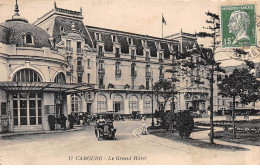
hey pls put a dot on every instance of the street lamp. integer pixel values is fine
(152, 99)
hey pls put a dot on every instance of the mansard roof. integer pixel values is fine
(137, 41)
(66, 23)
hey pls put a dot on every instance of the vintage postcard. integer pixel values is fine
(129, 82)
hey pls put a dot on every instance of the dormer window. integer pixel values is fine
(98, 37)
(114, 39)
(130, 41)
(158, 45)
(28, 39)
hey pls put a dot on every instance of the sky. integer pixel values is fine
(136, 16)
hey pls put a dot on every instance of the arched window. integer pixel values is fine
(28, 38)
(133, 103)
(147, 104)
(27, 75)
(75, 104)
(118, 104)
(60, 78)
(101, 103)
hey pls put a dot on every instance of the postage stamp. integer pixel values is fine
(238, 26)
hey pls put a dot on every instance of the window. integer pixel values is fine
(88, 78)
(79, 78)
(60, 78)
(27, 109)
(68, 45)
(88, 62)
(133, 103)
(100, 65)
(117, 51)
(117, 70)
(187, 83)
(114, 39)
(160, 56)
(130, 41)
(253, 104)
(75, 104)
(132, 68)
(160, 71)
(132, 52)
(79, 62)
(98, 36)
(28, 39)
(187, 105)
(147, 104)
(101, 81)
(147, 84)
(100, 49)
(27, 75)
(147, 54)
(101, 103)
(223, 103)
(79, 47)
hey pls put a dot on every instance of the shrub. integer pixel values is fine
(110, 85)
(52, 122)
(127, 86)
(184, 124)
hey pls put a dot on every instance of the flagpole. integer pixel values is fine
(162, 25)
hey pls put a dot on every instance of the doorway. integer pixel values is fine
(89, 109)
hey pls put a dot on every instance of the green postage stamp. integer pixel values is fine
(238, 25)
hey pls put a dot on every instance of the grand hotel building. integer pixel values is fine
(58, 65)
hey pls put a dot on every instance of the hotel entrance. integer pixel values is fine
(27, 110)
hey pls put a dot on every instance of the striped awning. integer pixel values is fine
(67, 88)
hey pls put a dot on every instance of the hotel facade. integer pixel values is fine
(58, 65)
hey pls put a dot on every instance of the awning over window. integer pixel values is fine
(67, 88)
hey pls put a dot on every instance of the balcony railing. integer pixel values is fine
(147, 58)
(133, 57)
(68, 50)
(160, 60)
(101, 71)
(80, 68)
(101, 54)
(101, 86)
(117, 55)
(133, 73)
(147, 74)
(80, 51)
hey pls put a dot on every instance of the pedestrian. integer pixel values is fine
(63, 122)
(144, 127)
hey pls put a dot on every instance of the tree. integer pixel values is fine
(163, 89)
(214, 31)
(241, 84)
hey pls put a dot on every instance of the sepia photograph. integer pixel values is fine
(129, 82)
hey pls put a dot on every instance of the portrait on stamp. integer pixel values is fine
(238, 26)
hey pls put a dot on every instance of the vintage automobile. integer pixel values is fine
(104, 128)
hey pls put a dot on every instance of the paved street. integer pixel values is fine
(81, 147)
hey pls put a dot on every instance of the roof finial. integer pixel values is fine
(16, 10)
(181, 30)
(55, 6)
(81, 10)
